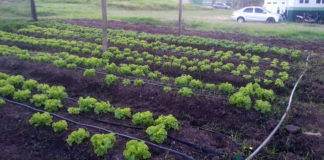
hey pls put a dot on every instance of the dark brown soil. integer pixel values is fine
(316, 46)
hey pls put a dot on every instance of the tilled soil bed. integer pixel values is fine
(316, 46)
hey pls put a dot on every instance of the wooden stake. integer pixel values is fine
(104, 25)
(180, 16)
(33, 10)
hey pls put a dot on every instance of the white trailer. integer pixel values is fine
(293, 7)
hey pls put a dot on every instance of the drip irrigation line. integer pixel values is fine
(283, 116)
(100, 128)
(204, 149)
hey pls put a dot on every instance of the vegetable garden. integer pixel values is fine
(147, 96)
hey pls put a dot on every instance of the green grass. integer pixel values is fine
(159, 12)
(14, 10)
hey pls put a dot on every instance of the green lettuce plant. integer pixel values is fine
(136, 150)
(102, 143)
(52, 105)
(38, 119)
(60, 126)
(38, 99)
(123, 113)
(169, 121)
(77, 136)
(143, 118)
(157, 133)
(22, 95)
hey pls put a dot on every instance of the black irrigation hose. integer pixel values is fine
(100, 128)
(283, 116)
(204, 149)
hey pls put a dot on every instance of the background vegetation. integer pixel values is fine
(157, 12)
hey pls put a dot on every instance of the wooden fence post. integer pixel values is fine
(33, 9)
(104, 25)
(180, 16)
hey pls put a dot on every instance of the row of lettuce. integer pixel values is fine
(51, 97)
(186, 82)
(183, 64)
(74, 31)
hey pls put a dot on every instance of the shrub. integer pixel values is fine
(7, 90)
(103, 107)
(138, 82)
(29, 85)
(16, 81)
(22, 95)
(56, 92)
(102, 142)
(241, 100)
(143, 118)
(123, 113)
(157, 133)
(262, 106)
(77, 136)
(42, 87)
(86, 104)
(39, 119)
(52, 105)
(110, 79)
(136, 150)
(38, 99)
(2, 102)
(226, 87)
(89, 73)
(60, 126)
(74, 110)
(186, 92)
(169, 121)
